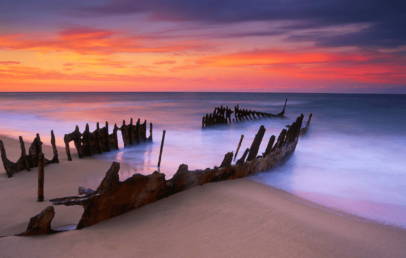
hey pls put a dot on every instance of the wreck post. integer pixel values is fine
(284, 107)
(289, 136)
(304, 130)
(124, 133)
(242, 159)
(280, 140)
(150, 132)
(115, 140)
(40, 177)
(97, 140)
(34, 151)
(269, 147)
(162, 146)
(138, 134)
(144, 130)
(24, 153)
(130, 129)
(106, 133)
(256, 143)
(8, 165)
(239, 145)
(77, 142)
(54, 149)
(282, 114)
(67, 149)
(228, 158)
(292, 133)
(87, 147)
(38, 144)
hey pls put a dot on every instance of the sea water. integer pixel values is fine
(351, 159)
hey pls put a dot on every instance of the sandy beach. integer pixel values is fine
(237, 218)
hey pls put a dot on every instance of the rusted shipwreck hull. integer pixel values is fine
(27, 161)
(86, 144)
(99, 141)
(41, 223)
(113, 197)
(222, 115)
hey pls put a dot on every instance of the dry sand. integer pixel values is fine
(237, 218)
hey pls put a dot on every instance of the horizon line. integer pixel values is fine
(258, 92)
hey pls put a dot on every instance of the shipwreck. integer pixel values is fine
(113, 197)
(222, 115)
(99, 141)
(27, 161)
(86, 144)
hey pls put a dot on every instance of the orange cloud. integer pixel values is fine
(86, 41)
(366, 73)
(271, 56)
(102, 62)
(9, 63)
(165, 62)
(364, 67)
(184, 68)
(33, 73)
(25, 78)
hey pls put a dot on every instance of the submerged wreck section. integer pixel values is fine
(99, 141)
(114, 197)
(222, 115)
(135, 133)
(30, 160)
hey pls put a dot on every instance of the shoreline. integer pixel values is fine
(236, 218)
(125, 166)
(336, 211)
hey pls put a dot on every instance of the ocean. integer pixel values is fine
(352, 158)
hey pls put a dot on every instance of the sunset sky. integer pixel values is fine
(179, 45)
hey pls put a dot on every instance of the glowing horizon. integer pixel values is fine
(126, 46)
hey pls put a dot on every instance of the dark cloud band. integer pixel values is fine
(386, 19)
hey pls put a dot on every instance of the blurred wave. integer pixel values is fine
(352, 157)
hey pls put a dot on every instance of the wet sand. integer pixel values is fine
(237, 218)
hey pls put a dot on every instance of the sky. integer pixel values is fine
(326, 46)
